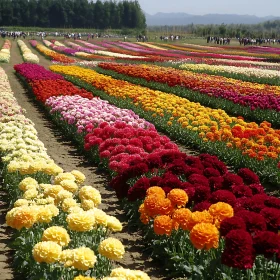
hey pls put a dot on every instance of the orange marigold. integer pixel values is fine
(199, 217)
(178, 198)
(181, 216)
(219, 211)
(163, 225)
(155, 190)
(144, 218)
(204, 235)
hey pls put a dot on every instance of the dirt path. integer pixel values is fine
(66, 155)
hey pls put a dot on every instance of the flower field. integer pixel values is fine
(213, 213)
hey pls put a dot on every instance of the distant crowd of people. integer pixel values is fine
(218, 40)
(258, 41)
(13, 34)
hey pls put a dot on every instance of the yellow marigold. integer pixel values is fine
(63, 194)
(69, 185)
(21, 217)
(30, 194)
(178, 198)
(46, 251)
(199, 217)
(64, 176)
(113, 278)
(68, 203)
(128, 274)
(155, 190)
(44, 214)
(220, 211)
(66, 257)
(83, 258)
(27, 182)
(87, 204)
(81, 277)
(99, 215)
(181, 217)
(90, 193)
(114, 224)
(44, 186)
(75, 209)
(112, 249)
(56, 234)
(163, 225)
(204, 235)
(79, 176)
(52, 169)
(52, 191)
(80, 221)
(21, 202)
(53, 208)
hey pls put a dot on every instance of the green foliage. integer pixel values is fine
(72, 14)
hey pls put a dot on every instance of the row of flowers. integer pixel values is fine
(229, 62)
(226, 53)
(5, 52)
(241, 73)
(238, 142)
(54, 56)
(61, 232)
(27, 54)
(134, 54)
(141, 158)
(256, 101)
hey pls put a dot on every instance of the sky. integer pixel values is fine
(201, 7)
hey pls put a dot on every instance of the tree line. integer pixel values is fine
(268, 29)
(72, 14)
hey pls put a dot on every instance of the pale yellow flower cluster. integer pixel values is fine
(245, 71)
(5, 52)
(107, 53)
(121, 273)
(27, 54)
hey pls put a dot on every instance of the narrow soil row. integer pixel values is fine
(66, 156)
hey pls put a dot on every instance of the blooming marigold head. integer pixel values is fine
(21, 217)
(163, 225)
(83, 258)
(81, 277)
(80, 221)
(204, 236)
(178, 198)
(181, 217)
(79, 176)
(155, 190)
(112, 249)
(220, 211)
(56, 234)
(46, 251)
(199, 217)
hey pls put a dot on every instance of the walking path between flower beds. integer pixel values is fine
(66, 156)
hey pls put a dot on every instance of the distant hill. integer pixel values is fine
(184, 19)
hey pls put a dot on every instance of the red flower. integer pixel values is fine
(239, 252)
(170, 180)
(202, 193)
(272, 218)
(231, 179)
(230, 224)
(248, 176)
(138, 191)
(190, 192)
(273, 201)
(211, 172)
(155, 181)
(241, 191)
(216, 183)
(267, 243)
(204, 205)
(223, 196)
(254, 221)
(198, 179)
(256, 188)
